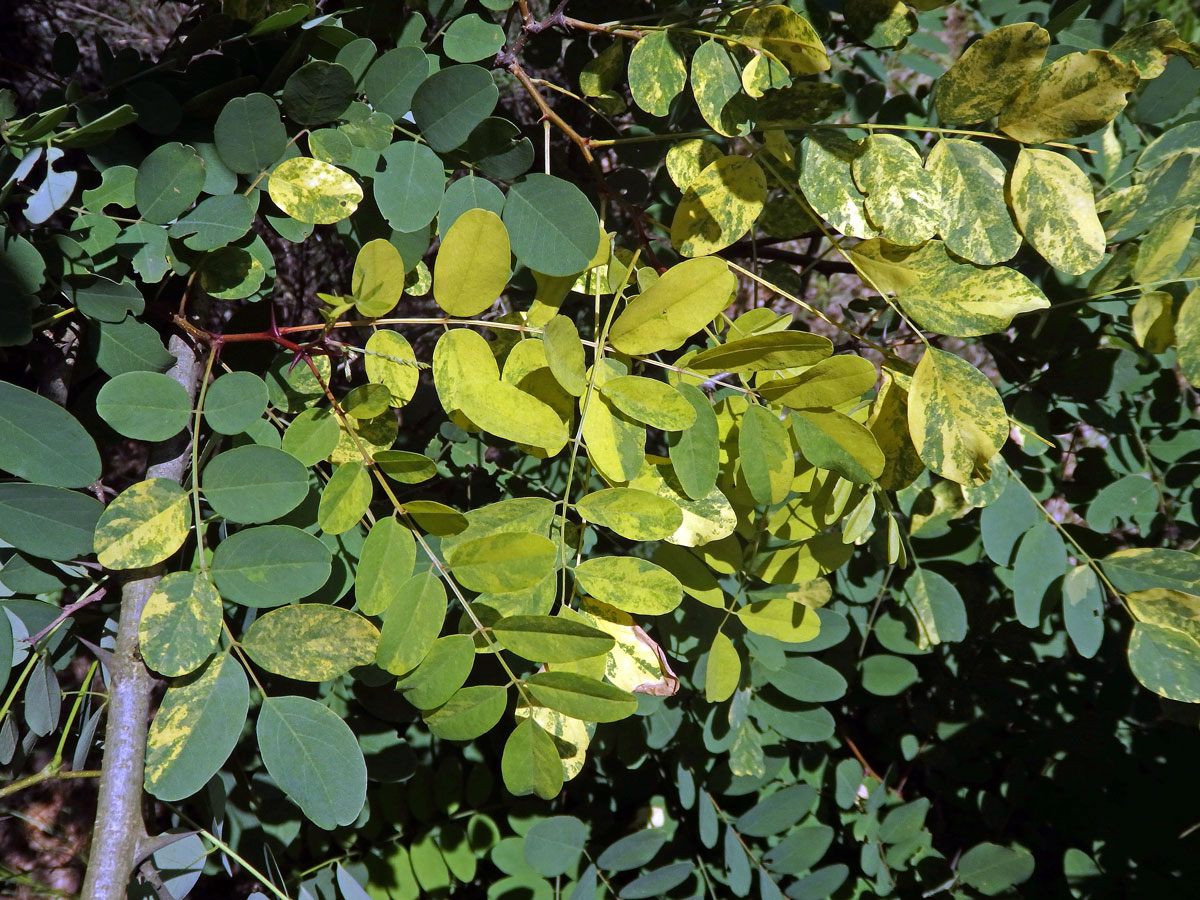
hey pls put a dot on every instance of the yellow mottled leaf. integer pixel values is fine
(311, 641)
(718, 206)
(314, 192)
(1055, 209)
(390, 361)
(143, 525)
(990, 72)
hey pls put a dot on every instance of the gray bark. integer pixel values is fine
(119, 827)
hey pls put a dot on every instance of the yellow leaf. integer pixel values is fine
(472, 264)
(314, 192)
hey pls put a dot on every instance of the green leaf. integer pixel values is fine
(550, 639)
(345, 499)
(969, 184)
(681, 302)
(443, 671)
(902, 199)
(234, 402)
(1073, 96)
(393, 79)
(779, 811)
(313, 192)
(565, 355)
(43, 442)
(635, 514)
(385, 565)
(809, 680)
(887, 676)
(472, 264)
(831, 382)
(311, 641)
(827, 180)
(367, 401)
(1083, 610)
(1041, 560)
(765, 455)
(530, 763)
(718, 206)
(694, 452)
(722, 671)
(1055, 210)
(717, 87)
(436, 518)
(168, 182)
(216, 221)
(109, 300)
(500, 563)
(143, 525)
(131, 346)
(937, 606)
(317, 92)
(471, 712)
(552, 225)
(554, 845)
(378, 278)
(1145, 568)
(196, 727)
(957, 420)
(411, 623)
(451, 102)
(781, 618)
(634, 585)
(405, 467)
(313, 756)
(409, 190)
(468, 192)
(990, 72)
(992, 869)
(650, 401)
(657, 72)
(312, 436)
(47, 522)
(830, 440)
(254, 484)
(470, 38)
(581, 697)
(180, 623)
(269, 565)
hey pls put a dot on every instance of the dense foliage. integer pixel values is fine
(725, 450)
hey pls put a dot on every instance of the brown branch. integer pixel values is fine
(584, 144)
(66, 613)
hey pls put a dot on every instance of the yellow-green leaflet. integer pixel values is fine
(636, 662)
(634, 585)
(508, 412)
(1073, 96)
(781, 618)
(831, 382)
(717, 87)
(314, 192)
(786, 35)
(615, 443)
(654, 402)
(698, 582)
(367, 401)
(502, 562)
(947, 296)
(636, 514)
(830, 440)
(565, 355)
(345, 498)
(472, 265)
(371, 435)
(827, 180)
(1055, 209)
(722, 671)
(718, 206)
(311, 641)
(766, 456)
(1187, 336)
(990, 72)
(385, 563)
(681, 302)
(902, 199)
(378, 279)
(763, 352)
(411, 624)
(1153, 320)
(180, 623)
(530, 764)
(969, 184)
(956, 418)
(1163, 246)
(687, 159)
(657, 72)
(528, 369)
(461, 356)
(889, 425)
(823, 554)
(385, 356)
(709, 517)
(143, 525)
